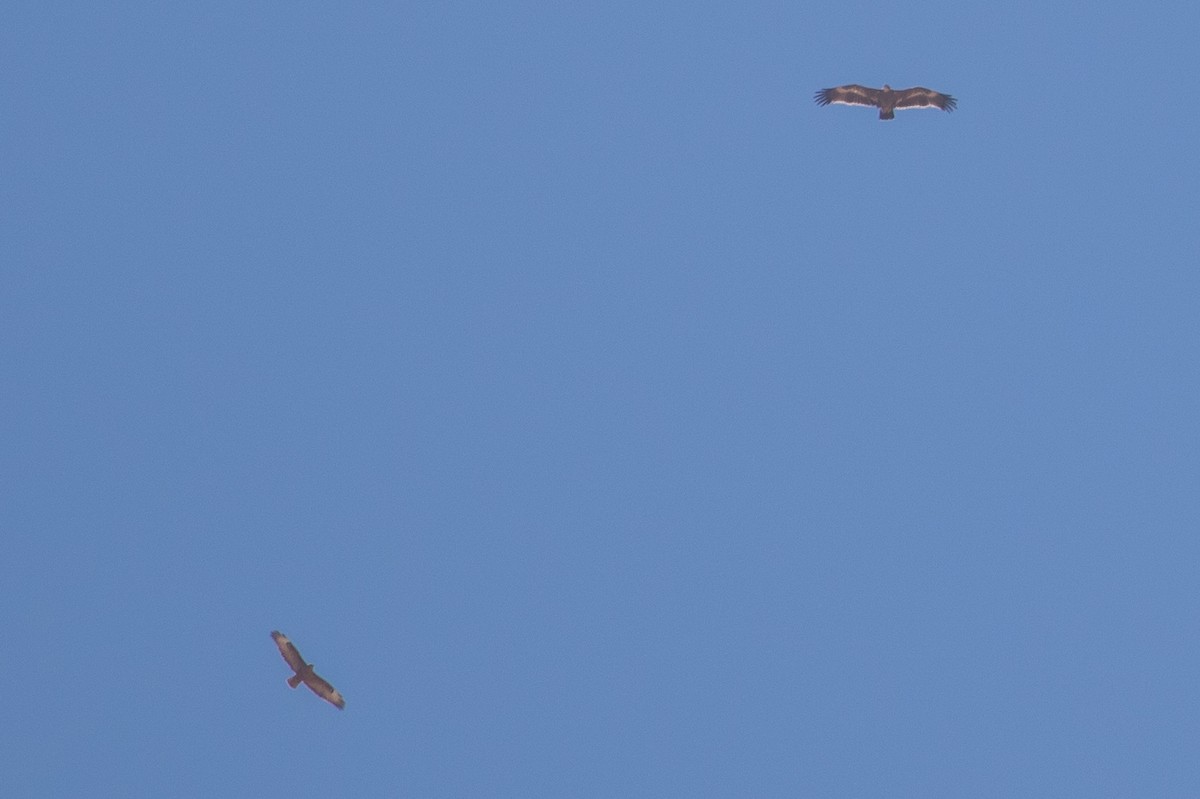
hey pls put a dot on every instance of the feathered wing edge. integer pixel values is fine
(289, 651)
(326, 691)
(851, 94)
(920, 97)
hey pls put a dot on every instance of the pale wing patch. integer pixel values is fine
(927, 98)
(846, 95)
(948, 106)
(326, 691)
(289, 651)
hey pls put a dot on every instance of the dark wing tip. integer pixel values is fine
(823, 97)
(321, 687)
(950, 103)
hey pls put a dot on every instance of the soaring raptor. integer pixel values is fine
(304, 672)
(887, 99)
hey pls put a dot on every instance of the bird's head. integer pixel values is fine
(887, 88)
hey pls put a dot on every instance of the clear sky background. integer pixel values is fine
(598, 414)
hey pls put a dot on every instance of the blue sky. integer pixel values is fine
(600, 415)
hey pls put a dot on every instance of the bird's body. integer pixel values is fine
(304, 672)
(887, 99)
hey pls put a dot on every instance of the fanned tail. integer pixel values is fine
(294, 680)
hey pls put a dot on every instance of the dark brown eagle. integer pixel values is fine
(304, 672)
(887, 99)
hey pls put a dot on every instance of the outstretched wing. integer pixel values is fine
(851, 94)
(920, 97)
(289, 651)
(324, 690)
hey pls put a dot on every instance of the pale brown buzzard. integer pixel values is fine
(304, 672)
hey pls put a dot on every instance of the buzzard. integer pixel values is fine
(304, 672)
(887, 99)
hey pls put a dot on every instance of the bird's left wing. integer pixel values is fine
(289, 651)
(851, 94)
(920, 97)
(326, 691)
